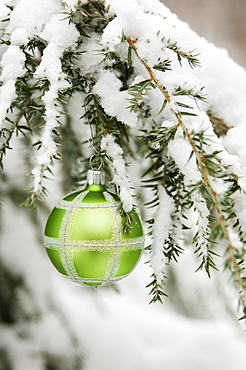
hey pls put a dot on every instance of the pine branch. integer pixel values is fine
(94, 113)
(220, 126)
(172, 250)
(137, 91)
(231, 251)
(29, 108)
(127, 220)
(155, 291)
(149, 70)
(192, 93)
(205, 185)
(189, 56)
(91, 16)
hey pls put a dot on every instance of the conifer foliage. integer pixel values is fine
(154, 97)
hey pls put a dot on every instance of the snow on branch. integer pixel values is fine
(45, 21)
(199, 158)
(21, 28)
(113, 100)
(120, 179)
(144, 74)
(161, 228)
(13, 66)
(180, 150)
(50, 69)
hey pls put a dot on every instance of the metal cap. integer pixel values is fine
(95, 177)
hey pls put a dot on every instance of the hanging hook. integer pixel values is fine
(95, 176)
(94, 159)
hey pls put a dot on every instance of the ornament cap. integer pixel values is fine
(95, 177)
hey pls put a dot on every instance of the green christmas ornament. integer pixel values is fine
(84, 236)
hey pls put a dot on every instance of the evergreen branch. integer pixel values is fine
(163, 66)
(31, 202)
(155, 291)
(189, 56)
(132, 44)
(91, 16)
(220, 126)
(206, 185)
(206, 256)
(137, 91)
(94, 113)
(197, 95)
(231, 251)
(6, 134)
(172, 250)
(159, 138)
(127, 220)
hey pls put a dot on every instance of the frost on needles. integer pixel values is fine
(165, 107)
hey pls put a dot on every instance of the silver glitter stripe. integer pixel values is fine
(68, 205)
(116, 261)
(99, 279)
(94, 245)
(66, 257)
(102, 280)
(77, 202)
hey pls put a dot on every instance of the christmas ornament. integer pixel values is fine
(84, 236)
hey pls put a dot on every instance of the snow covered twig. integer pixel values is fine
(120, 179)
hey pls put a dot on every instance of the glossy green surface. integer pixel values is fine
(72, 196)
(55, 258)
(95, 188)
(91, 264)
(91, 225)
(53, 224)
(128, 261)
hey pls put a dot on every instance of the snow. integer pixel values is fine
(234, 143)
(202, 222)
(223, 79)
(39, 12)
(4, 11)
(113, 100)
(157, 27)
(13, 66)
(60, 32)
(113, 330)
(21, 28)
(120, 330)
(55, 76)
(180, 150)
(120, 179)
(161, 228)
(148, 23)
(240, 200)
(112, 34)
(70, 4)
(45, 19)
(50, 68)
(91, 59)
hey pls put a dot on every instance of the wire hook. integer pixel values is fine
(94, 159)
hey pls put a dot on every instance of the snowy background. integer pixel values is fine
(115, 327)
(221, 22)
